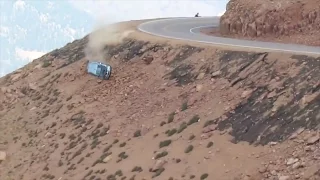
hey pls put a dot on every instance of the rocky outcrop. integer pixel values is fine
(263, 17)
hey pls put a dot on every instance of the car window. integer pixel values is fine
(98, 69)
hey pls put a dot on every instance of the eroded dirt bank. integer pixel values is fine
(168, 112)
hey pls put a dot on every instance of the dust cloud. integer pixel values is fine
(103, 35)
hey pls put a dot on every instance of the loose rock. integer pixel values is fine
(313, 139)
(107, 159)
(48, 135)
(291, 161)
(262, 170)
(148, 59)
(273, 143)
(205, 136)
(201, 76)
(308, 148)
(246, 93)
(216, 74)
(33, 86)
(199, 87)
(3, 156)
(284, 177)
(158, 165)
(297, 165)
(295, 134)
(209, 128)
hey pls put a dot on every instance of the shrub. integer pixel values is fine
(106, 149)
(158, 172)
(95, 143)
(104, 155)
(136, 169)
(137, 133)
(69, 98)
(193, 120)
(115, 141)
(184, 106)
(72, 137)
(182, 127)
(102, 171)
(62, 135)
(178, 160)
(80, 160)
(208, 123)
(171, 117)
(188, 149)
(123, 144)
(165, 143)
(209, 144)
(118, 173)
(99, 125)
(204, 176)
(192, 137)
(60, 163)
(123, 155)
(171, 132)
(104, 131)
(53, 124)
(162, 154)
(96, 162)
(111, 177)
(46, 63)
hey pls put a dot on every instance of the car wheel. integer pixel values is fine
(108, 74)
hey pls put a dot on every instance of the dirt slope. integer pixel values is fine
(287, 21)
(168, 112)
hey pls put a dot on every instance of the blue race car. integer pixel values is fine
(99, 69)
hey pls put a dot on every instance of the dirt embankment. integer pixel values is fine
(288, 21)
(168, 112)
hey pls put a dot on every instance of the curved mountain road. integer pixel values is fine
(189, 29)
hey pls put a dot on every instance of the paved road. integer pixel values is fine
(189, 29)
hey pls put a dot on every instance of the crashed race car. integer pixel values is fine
(100, 70)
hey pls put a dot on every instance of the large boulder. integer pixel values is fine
(261, 17)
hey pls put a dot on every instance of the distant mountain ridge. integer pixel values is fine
(34, 27)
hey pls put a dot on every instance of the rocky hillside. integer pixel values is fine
(290, 20)
(169, 112)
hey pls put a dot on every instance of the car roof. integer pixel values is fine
(97, 62)
(92, 67)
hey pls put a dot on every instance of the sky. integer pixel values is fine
(32, 28)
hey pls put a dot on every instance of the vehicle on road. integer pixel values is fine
(103, 71)
(197, 15)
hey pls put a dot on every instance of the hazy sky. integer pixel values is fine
(31, 28)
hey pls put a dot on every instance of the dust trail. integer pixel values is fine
(101, 36)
